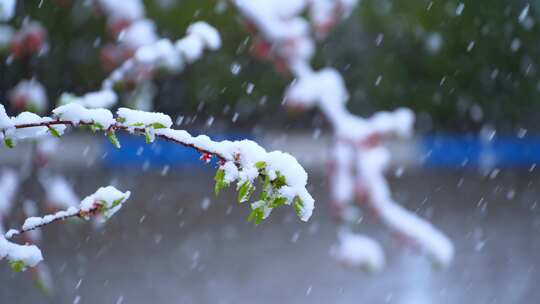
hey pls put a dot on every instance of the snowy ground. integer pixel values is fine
(164, 247)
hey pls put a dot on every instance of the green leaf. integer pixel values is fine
(279, 181)
(147, 136)
(137, 124)
(245, 191)
(17, 266)
(220, 175)
(298, 205)
(113, 139)
(158, 125)
(277, 202)
(105, 209)
(117, 202)
(260, 165)
(256, 216)
(53, 131)
(96, 126)
(9, 142)
(120, 119)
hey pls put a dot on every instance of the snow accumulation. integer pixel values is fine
(132, 118)
(358, 251)
(30, 255)
(206, 33)
(29, 118)
(35, 222)
(139, 33)
(248, 154)
(77, 114)
(7, 125)
(107, 200)
(169, 55)
(248, 158)
(245, 153)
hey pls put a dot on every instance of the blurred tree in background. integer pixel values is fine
(458, 65)
(463, 63)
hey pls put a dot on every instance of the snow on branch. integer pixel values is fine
(164, 54)
(148, 59)
(242, 162)
(105, 201)
(358, 251)
(284, 37)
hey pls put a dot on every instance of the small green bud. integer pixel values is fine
(9, 142)
(53, 131)
(17, 266)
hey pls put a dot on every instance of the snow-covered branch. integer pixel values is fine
(284, 37)
(242, 162)
(105, 201)
(148, 59)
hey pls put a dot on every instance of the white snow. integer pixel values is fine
(30, 255)
(165, 54)
(190, 47)
(139, 33)
(5, 120)
(109, 197)
(207, 33)
(76, 113)
(248, 154)
(29, 118)
(35, 222)
(231, 172)
(132, 118)
(358, 251)
(435, 244)
(244, 154)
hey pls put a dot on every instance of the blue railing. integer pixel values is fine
(463, 151)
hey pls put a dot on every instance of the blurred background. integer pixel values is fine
(468, 69)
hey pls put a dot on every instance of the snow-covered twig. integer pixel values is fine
(107, 201)
(162, 54)
(283, 178)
